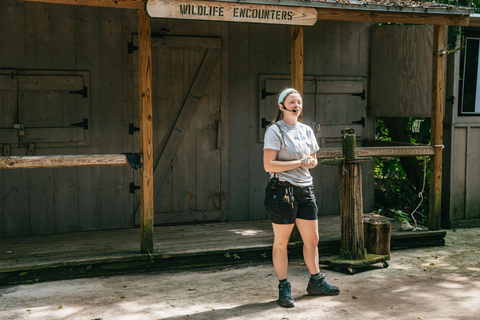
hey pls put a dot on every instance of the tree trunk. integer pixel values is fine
(377, 236)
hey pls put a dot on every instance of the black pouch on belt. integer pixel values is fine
(270, 194)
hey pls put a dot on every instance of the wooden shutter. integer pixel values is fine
(52, 107)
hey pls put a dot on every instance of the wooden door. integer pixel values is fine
(187, 137)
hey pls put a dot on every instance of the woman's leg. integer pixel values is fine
(309, 232)
(279, 253)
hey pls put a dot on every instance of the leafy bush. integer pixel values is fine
(395, 195)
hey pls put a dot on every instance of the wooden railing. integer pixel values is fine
(63, 161)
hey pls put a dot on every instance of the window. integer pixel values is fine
(469, 84)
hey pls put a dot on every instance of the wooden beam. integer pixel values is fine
(124, 4)
(438, 81)
(297, 61)
(63, 161)
(380, 152)
(146, 131)
(296, 70)
(394, 17)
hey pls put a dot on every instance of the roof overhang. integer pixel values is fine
(474, 20)
(341, 10)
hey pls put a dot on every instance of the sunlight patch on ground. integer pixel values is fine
(46, 312)
(244, 232)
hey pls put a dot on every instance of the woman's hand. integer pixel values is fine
(309, 162)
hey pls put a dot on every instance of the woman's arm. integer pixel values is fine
(272, 165)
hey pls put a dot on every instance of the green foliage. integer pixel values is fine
(395, 195)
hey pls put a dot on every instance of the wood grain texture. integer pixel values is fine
(297, 62)
(437, 107)
(401, 71)
(58, 161)
(232, 11)
(146, 132)
(472, 187)
(351, 211)
(394, 17)
(125, 4)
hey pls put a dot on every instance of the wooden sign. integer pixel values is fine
(231, 11)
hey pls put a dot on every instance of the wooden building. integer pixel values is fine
(70, 83)
(462, 129)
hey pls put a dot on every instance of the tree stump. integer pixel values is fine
(351, 211)
(377, 236)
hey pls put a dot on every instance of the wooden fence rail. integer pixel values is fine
(406, 151)
(17, 162)
(63, 161)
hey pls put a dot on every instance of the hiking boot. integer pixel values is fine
(320, 287)
(285, 298)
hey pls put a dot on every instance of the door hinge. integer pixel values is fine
(132, 128)
(133, 187)
(266, 94)
(451, 99)
(83, 124)
(360, 94)
(83, 92)
(265, 122)
(131, 47)
(361, 121)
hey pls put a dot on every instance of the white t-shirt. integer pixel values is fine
(300, 143)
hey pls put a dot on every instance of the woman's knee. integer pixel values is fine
(311, 241)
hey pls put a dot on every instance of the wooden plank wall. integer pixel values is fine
(39, 36)
(61, 37)
(405, 89)
(331, 48)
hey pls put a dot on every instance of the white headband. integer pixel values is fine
(284, 94)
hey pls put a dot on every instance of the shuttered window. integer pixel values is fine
(48, 108)
(331, 104)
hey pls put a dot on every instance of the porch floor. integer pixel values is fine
(93, 253)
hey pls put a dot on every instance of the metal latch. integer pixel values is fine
(21, 129)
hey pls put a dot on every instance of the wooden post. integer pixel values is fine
(351, 210)
(438, 80)
(146, 132)
(297, 83)
(297, 62)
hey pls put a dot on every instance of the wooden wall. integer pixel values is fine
(461, 172)
(38, 36)
(401, 70)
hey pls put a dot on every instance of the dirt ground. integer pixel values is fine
(427, 283)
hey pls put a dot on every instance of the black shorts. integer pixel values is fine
(281, 212)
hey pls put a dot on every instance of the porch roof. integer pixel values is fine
(403, 6)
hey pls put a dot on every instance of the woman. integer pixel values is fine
(289, 153)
